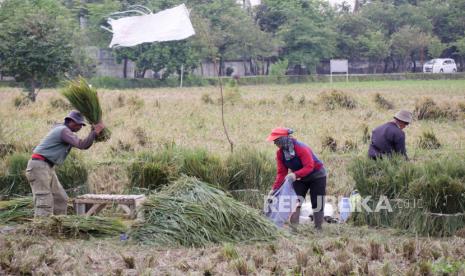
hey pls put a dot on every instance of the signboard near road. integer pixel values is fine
(339, 66)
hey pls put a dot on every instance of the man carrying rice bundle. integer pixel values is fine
(389, 138)
(306, 173)
(49, 196)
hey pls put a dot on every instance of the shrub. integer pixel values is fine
(206, 99)
(6, 149)
(438, 188)
(73, 174)
(441, 186)
(428, 140)
(59, 103)
(206, 167)
(13, 181)
(349, 145)
(329, 143)
(21, 101)
(427, 109)
(250, 169)
(382, 102)
(387, 176)
(337, 99)
(152, 171)
(141, 136)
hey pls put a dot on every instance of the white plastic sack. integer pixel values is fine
(281, 204)
(306, 211)
(167, 25)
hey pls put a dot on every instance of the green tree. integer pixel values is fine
(460, 49)
(34, 42)
(304, 27)
(374, 46)
(408, 43)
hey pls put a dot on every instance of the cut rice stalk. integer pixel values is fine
(189, 212)
(14, 210)
(78, 226)
(85, 99)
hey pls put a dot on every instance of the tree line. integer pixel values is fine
(40, 40)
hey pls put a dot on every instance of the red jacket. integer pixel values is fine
(308, 160)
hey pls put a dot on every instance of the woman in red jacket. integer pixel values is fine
(297, 162)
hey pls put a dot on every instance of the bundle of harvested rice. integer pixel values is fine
(14, 210)
(84, 98)
(78, 226)
(189, 212)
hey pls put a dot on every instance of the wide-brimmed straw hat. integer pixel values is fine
(404, 116)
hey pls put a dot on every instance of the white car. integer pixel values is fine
(440, 65)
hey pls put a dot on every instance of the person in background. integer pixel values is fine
(389, 138)
(297, 163)
(48, 195)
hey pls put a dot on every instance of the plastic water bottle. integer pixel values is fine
(344, 209)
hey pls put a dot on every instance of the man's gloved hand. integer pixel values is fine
(291, 177)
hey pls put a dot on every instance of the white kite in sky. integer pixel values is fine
(167, 25)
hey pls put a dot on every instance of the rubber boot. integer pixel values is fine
(318, 219)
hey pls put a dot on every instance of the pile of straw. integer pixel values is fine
(78, 226)
(189, 212)
(16, 210)
(84, 98)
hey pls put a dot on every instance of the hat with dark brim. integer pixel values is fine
(77, 117)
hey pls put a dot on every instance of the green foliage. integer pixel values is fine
(250, 169)
(388, 176)
(202, 165)
(13, 180)
(279, 68)
(427, 198)
(72, 175)
(442, 186)
(117, 83)
(189, 212)
(247, 173)
(337, 99)
(35, 42)
(152, 171)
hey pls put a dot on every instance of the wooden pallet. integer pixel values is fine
(92, 204)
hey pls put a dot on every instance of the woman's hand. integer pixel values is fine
(291, 177)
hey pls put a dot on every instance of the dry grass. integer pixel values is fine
(149, 119)
(301, 253)
(145, 119)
